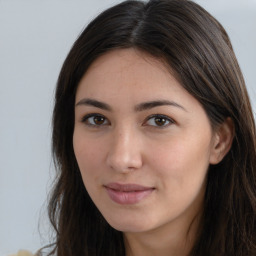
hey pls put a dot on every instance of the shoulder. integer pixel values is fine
(22, 253)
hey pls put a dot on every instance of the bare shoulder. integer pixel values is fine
(23, 253)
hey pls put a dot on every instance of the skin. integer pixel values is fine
(126, 144)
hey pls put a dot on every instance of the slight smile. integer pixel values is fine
(127, 193)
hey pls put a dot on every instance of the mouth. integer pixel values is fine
(127, 194)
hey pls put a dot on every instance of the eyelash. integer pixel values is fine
(167, 119)
(86, 118)
(160, 116)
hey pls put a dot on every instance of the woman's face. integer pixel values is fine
(142, 142)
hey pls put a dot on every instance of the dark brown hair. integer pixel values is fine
(197, 49)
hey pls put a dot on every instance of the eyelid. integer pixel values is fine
(169, 119)
(85, 118)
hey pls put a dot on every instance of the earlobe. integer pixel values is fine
(223, 139)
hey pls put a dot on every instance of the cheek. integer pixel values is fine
(181, 161)
(181, 174)
(88, 155)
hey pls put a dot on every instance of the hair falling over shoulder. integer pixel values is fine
(198, 51)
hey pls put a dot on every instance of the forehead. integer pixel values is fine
(127, 70)
(127, 58)
(123, 79)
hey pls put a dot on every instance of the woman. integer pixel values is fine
(153, 138)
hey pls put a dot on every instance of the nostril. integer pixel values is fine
(124, 162)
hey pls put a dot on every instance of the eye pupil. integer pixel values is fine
(160, 121)
(99, 120)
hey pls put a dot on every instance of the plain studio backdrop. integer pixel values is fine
(35, 37)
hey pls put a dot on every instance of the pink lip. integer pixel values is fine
(127, 193)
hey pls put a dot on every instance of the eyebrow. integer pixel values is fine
(94, 103)
(157, 103)
(138, 108)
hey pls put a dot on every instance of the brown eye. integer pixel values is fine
(159, 121)
(98, 120)
(95, 120)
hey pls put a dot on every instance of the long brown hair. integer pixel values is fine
(197, 49)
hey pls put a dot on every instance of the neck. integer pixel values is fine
(172, 239)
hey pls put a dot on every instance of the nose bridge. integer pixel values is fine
(125, 153)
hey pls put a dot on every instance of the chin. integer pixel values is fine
(130, 226)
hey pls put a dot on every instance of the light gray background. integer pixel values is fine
(35, 37)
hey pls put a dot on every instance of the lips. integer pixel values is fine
(127, 193)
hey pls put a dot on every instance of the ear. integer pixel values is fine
(222, 141)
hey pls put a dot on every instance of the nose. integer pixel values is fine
(124, 153)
